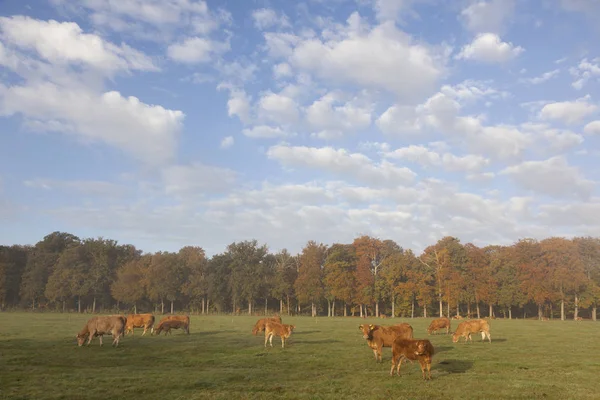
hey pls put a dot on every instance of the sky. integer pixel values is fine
(166, 123)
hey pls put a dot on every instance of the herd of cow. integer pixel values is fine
(399, 337)
(120, 325)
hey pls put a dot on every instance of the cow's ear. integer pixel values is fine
(360, 327)
(371, 327)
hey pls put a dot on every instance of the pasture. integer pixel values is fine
(325, 358)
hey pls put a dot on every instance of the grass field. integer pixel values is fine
(326, 359)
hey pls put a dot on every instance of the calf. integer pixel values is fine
(185, 320)
(412, 349)
(437, 324)
(378, 336)
(260, 324)
(167, 325)
(465, 329)
(145, 321)
(99, 326)
(274, 328)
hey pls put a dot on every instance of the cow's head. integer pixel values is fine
(421, 347)
(455, 337)
(80, 339)
(367, 330)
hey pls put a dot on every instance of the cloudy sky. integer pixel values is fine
(165, 123)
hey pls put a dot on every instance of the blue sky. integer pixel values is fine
(180, 122)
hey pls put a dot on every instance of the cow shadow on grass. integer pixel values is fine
(454, 366)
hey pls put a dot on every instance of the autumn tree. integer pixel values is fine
(194, 262)
(309, 285)
(589, 254)
(339, 278)
(284, 278)
(129, 286)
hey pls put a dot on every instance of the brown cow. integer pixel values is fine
(578, 319)
(474, 326)
(145, 321)
(378, 336)
(412, 349)
(168, 324)
(273, 328)
(260, 324)
(183, 318)
(99, 326)
(457, 317)
(439, 323)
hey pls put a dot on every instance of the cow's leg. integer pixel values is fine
(282, 342)
(379, 354)
(422, 364)
(398, 365)
(100, 338)
(271, 339)
(394, 361)
(489, 337)
(429, 368)
(145, 330)
(266, 339)
(375, 354)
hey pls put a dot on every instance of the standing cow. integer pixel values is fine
(99, 326)
(411, 349)
(378, 336)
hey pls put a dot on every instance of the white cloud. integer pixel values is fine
(552, 177)
(584, 71)
(546, 76)
(265, 132)
(65, 43)
(570, 112)
(593, 128)
(282, 70)
(195, 50)
(323, 115)
(557, 140)
(399, 120)
(448, 161)
(238, 103)
(196, 179)
(382, 58)
(386, 10)
(148, 132)
(489, 48)
(84, 187)
(278, 108)
(487, 16)
(265, 18)
(340, 162)
(227, 142)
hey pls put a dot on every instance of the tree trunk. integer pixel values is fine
(562, 309)
(594, 313)
(135, 309)
(203, 305)
(491, 310)
(425, 311)
(412, 309)
(551, 311)
(288, 305)
(63, 306)
(162, 306)
(207, 305)
(448, 309)
(333, 309)
(442, 309)
(478, 311)
(509, 312)
(377, 309)
(345, 309)
(393, 304)
(576, 307)
(361, 311)
(328, 308)
(312, 309)
(266, 306)
(539, 311)
(94, 306)
(33, 304)
(171, 306)
(250, 307)
(468, 309)
(457, 309)
(280, 306)
(79, 304)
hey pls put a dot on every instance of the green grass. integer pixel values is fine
(325, 359)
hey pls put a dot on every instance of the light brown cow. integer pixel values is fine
(457, 317)
(465, 329)
(102, 325)
(260, 324)
(412, 349)
(378, 336)
(273, 328)
(578, 319)
(183, 318)
(439, 323)
(145, 321)
(168, 324)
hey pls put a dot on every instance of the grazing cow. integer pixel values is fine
(412, 349)
(378, 336)
(260, 324)
(168, 324)
(439, 323)
(145, 321)
(474, 326)
(578, 319)
(545, 319)
(457, 317)
(99, 326)
(183, 318)
(273, 328)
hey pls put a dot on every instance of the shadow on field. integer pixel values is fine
(454, 366)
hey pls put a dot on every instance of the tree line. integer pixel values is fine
(554, 277)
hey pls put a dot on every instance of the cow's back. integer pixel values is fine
(403, 330)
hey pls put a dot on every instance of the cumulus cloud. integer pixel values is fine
(593, 128)
(569, 112)
(196, 179)
(428, 158)
(584, 71)
(552, 177)
(195, 50)
(487, 16)
(265, 18)
(489, 48)
(328, 114)
(278, 108)
(148, 132)
(265, 132)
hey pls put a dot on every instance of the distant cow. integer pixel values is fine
(457, 317)
(466, 328)
(104, 325)
(260, 324)
(273, 328)
(168, 324)
(412, 349)
(145, 321)
(439, 323)
(378, 336)
(578, 319)
(183, 318)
